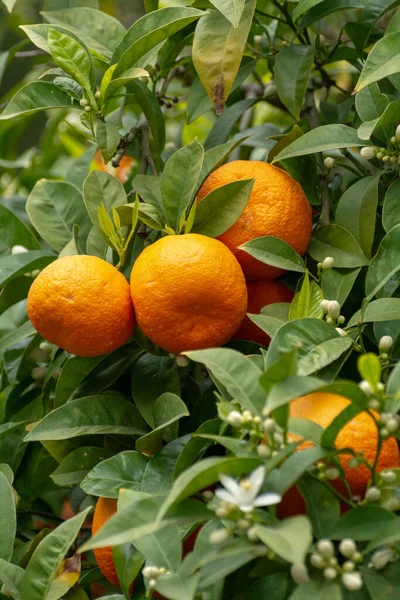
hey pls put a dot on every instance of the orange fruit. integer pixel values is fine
(277, 206)
(260, 294)
(189, 292)
(359, 434)
(105, 508)
(122, 172)
(82, 304)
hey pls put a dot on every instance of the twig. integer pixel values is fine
(325, 202)
(264, 14)
(126, 141)
(363, 170)
(282, 9)
(30, 53)
(147, 159)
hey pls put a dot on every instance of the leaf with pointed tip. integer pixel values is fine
(34, 97)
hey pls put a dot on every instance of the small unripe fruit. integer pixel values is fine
(352, 581)
(385, 343)
(373, 494)
(329, 162)
(368, 152)
(325, 548)
(347, 547)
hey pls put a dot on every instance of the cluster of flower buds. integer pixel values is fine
(384, 490)
(324, 558)
(326, 472)
(181, 360)
(389, 155)
(385, 346)
(153, 573)
(267, 431)
(331, 309)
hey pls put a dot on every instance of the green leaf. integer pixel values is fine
(320, 344)
(11, 576)
(290, 539)
(14, 265)
(109, 86)
(230, 9)
(217, 52)
(303, 6)
(204, 474)
(272, 317)
(384, 309)
(148, 32)
(307, 302)
(223, 126)
(91, 415)
(382, 127)
(179, 181)
(296, 465)
(79, 169)
(391, 207)
(274, 251)
(196, 445)
(338, 242)
(124, 470)
(215, 157)
(54, 207)
(356, 211)
(358, 404)
(323, 507)
(220, 209)
(387, 533)
(378, 586)
(107, 139)
(382, 61)
(383, 273)
(98, 30)
(237, 374)
(321, 139)
(74, 467)
(370, 103)
(73, 373)
(99, 188)
(167, 410)
(291, 74)
(47, 558)
(73, 58)
(337, 285)
(362, 523)
(370, 368)
(16, 336)
(151, 109)
(34, 97)
(321, 9)
(8, 519)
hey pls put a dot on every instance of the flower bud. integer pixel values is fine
(352, 581)
(393, 160)
(386, 159)
(334, 309)
(347, 547)
(278, 438)
(397, 134)
(348, 566)
(257, 420)
(393, 139)
(330, 321)
(45, 347)
(384, 432)
(381, 558)
(368, 152)
(299, 573)
(152, 584)
(235, 418)
(269, 426)
(317, 561)
(329, 162)
(379, 155)
(221, 513)
(374, 404)
(357, 557)
(247, 416)
(325, 548)
(172, 355)
(151, 572)
(385, 343)
(252, 534)
(243, 524)
(88, 109)
(365, 387)
(83, 102)
(330, 573)
(208, 494)
(392, 425)
(97, 94)
(341, 332)
(38, 373)
(328, 263)
(264, 451)
(18, 249)
(219, 536)
(182, 361)
(332, 473)
(373, 494)
(388, 476)
(324, 305)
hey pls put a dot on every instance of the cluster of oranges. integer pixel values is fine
(187, 292)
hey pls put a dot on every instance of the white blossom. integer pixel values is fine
(245, 493)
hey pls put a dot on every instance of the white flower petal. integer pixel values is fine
(267, 499)
(225, 495)
(257, 479)
(246, 508)
(230, 484)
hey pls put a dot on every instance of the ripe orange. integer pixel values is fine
(82, 304)
(359, 434)
(188, 292)
(122, 172)
(260, 294)
(277, 206)
(105, 508)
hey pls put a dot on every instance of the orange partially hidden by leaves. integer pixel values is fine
(82, 304)
(105, 508)
(277, 206)
(359, 434)
(122, 172)
(260, 294)
(188, 292)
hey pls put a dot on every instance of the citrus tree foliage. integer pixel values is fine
(163, 94)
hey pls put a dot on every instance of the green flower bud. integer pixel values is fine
(373, 494)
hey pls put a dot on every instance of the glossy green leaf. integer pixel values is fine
(320, 344)
(167, 410)
(290, 539)
(109, 86)
(297, 464)
(356, 211)
(74, 467)
(79, 170)
(382, 61)
(124, 470)
(15, 336)
(196, 445)
(371, 103)
(274, 251)
(272, 317)
(223, 126)
(337, 284)
(362, 523)
(230, 9)
(381, 126)
(13, 232)
(322, 9)
(321, 139)
(54, 207)
(291, 74)
(73, 58)
(303, 6)
(236, 373)
(11, 576)
(98, 30)
(107, 139)
(47, 558)
(8, 519)
(179, 181)
(72, 374)
(222, 207)
(148, 32)
(34, 97)
(216, 156)
(384, 309)
(151, 109)
(14, 265)
(217, 52)
(383, 276)
(307, 301)
(323, 507)
(340, 244)
(102, 188)
(370, 368)
(89, 415)
(391, 206)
